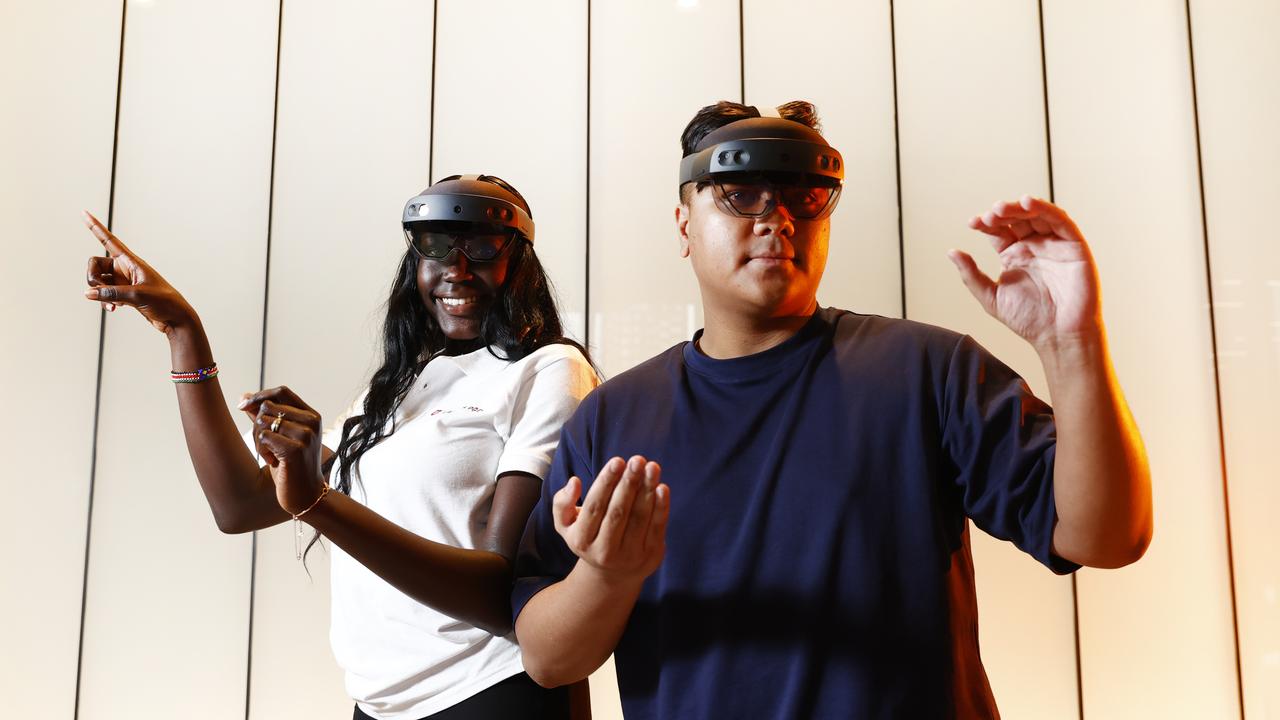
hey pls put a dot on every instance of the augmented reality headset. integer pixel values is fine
(766, 146)
(468, 199)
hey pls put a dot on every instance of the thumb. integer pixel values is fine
(982, 288)
(118, 294)
(564, 504)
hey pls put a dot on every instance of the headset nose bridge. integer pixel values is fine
(779, 219)
(456, 264)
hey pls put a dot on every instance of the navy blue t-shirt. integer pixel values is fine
(817, 560)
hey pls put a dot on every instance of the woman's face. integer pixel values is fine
(459, 292)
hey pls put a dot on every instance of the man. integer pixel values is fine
(808, 554)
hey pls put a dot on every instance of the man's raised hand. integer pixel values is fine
(620, 528)
(1047, 291)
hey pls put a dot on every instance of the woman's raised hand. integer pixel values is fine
(123, 278)
(287, 433)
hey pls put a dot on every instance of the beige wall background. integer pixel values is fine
(258, 154)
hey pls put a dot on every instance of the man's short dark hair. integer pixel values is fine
(714, 117)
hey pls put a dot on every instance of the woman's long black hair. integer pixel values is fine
(523, 319)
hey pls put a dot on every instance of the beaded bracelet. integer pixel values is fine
(194, 376)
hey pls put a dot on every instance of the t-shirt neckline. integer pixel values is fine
(757, 365)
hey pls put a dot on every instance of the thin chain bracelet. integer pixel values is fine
(297, 526)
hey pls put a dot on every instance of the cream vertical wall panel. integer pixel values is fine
(1237, 61)
(522, 116)
(847, 71)
(167, 597)
(511, 101)
(1156, 638)
(58, 64)
(971, 123)
(353, 142)
(653, 64)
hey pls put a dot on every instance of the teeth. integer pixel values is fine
(457, 302)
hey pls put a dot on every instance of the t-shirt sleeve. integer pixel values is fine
(540, 407)
(1002, 441)
(544, 558)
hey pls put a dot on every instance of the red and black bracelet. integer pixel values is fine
(194, 376)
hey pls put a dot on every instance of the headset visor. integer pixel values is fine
(757, 197)
(480, 243)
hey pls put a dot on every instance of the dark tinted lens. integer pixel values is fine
(748, 199)
(483, 247)
(479, 247)
(433, 245)
(806, 202)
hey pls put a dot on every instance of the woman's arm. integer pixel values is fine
(471, 585)
(240, 494)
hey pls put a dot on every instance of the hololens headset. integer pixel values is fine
(475, 217)
(753, 164)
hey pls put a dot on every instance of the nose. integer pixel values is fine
(780, 222)
(456, 266)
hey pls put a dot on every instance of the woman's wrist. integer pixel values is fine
(189, 346)
(321, 512)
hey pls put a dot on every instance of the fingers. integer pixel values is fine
(980, 286)
(654, 519)
(278, 438)
(642, 507)
(1053, 219)
(109, 241)
(614, 525)
(279, 445)
(267, 456)
(269, 411)
(596, 504)
(1041, 227)
(108, 287)
(621, 527)
(249, 402)
(656, 538)
(1002, 236)
(100, 273)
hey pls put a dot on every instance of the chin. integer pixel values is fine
(463, 330)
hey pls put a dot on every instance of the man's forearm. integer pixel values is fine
(569, 629)
(1102, 484)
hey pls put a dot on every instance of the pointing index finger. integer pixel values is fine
(109, 241)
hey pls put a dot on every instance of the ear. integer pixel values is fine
(682, 228)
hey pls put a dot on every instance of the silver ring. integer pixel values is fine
(275, 424)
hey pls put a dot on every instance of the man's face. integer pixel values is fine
(762, 267)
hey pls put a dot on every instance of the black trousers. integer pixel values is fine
(517, 697)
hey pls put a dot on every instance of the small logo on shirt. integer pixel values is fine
(469, 408)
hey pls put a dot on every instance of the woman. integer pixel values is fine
(438, 463)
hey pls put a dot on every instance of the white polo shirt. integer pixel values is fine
(467, 420)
